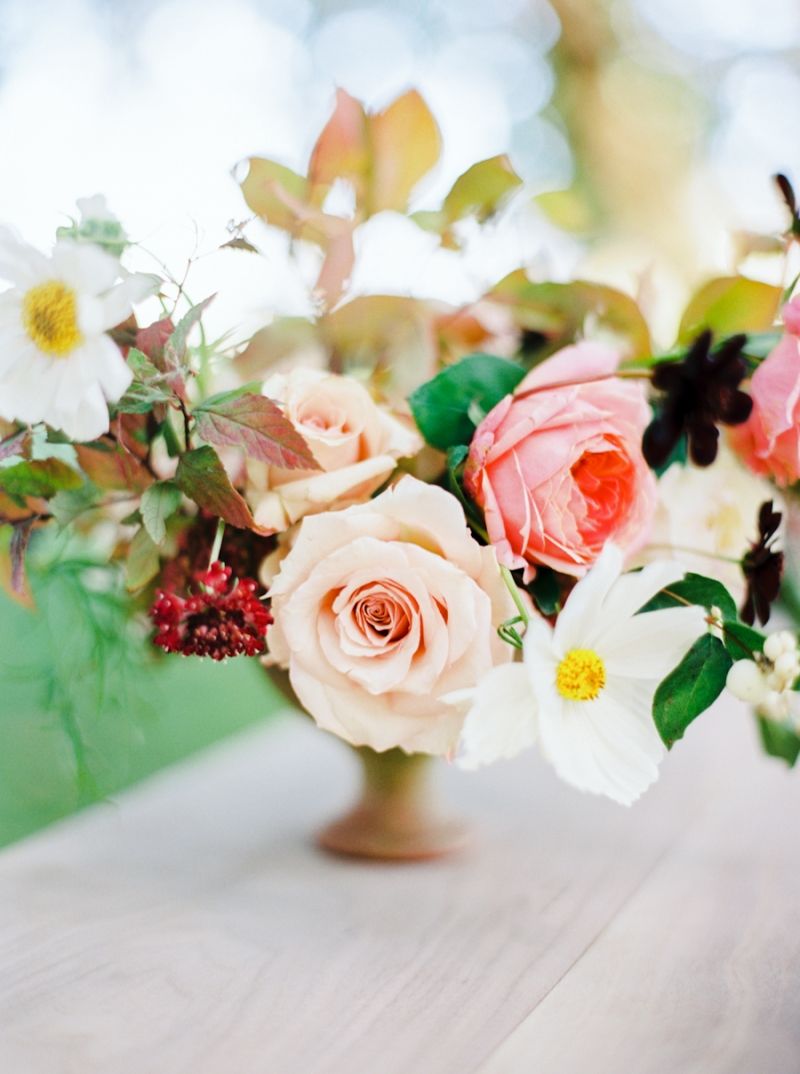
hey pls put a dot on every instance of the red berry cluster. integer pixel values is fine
(219, 620)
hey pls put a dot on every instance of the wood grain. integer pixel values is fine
(193, 927)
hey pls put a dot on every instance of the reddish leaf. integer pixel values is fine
(20, 536)
(110, 466)
(202, 477)
(17, 444)
(151, 340)
(257, 426)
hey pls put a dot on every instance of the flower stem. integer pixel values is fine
(693, 552)
(217, 545)
(511, 585)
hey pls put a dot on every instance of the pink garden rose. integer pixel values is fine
(769, 441)
(383, 609)
(356, 442)
(560, 471)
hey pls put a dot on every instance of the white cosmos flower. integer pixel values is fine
(585, 687)
(57, 364)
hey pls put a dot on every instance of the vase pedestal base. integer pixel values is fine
(397, 818)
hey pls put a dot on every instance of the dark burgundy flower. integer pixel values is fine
(697, 394)
(787, 193)
(763, 567)
(219, 620)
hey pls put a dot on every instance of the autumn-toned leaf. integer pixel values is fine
(21, 596)
(257, 426)
(285, 337)
(482, 189)
(17, 444)
(143, 563)
(110, 466)
(337, 268)
(405, 142)
(17, 510)
(202, 477)
(263, 187)
(41, 477)
(729, 305)
(20, 536)
(561, 311)
(151, 339)
(341, 149)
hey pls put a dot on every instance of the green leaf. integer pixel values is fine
(257, 426)
(741, 640)
(728, 305)
(697, 589)
(142, 565)
(159, 501)
(178, 340)
(691, 688)
(779, 740)
(42, 477)
(456, 457)
(66, 506)
(441, 407)
(546, 591)
(141, 398)
(142, 367)
(760, 344)
(202, 477)
(481, 189)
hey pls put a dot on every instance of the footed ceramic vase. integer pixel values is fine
(398, 815)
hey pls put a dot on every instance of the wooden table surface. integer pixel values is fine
(192, 928)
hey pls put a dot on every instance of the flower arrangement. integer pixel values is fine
(458, 532)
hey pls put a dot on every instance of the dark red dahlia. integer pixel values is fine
(762, 567)
(218, 620)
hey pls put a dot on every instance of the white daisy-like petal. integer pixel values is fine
(57, 364)
(501, 721)
(103, 361)
(582, 610)
(597, 747)
(594, 677)
(633, 590)
(89, 419)
(652, 644)
(20, 263)
(85, 267)
(117, 303)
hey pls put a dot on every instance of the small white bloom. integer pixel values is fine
(590, 683)
(767, 681)
(707, 512)
(57, 365)
(746, 681)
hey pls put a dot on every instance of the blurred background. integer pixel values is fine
(646, 132)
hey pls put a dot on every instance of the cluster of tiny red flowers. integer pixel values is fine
(217, 620)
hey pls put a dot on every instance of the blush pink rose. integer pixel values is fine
(559, 471)
(769, 441)
(383, 610)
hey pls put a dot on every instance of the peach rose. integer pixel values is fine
(383, 609)
(559, 471)
(769, 441)
(355, 441)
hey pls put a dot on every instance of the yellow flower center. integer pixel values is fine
(50, 317)
(581, 675)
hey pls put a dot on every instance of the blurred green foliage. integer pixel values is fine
(87, 707)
